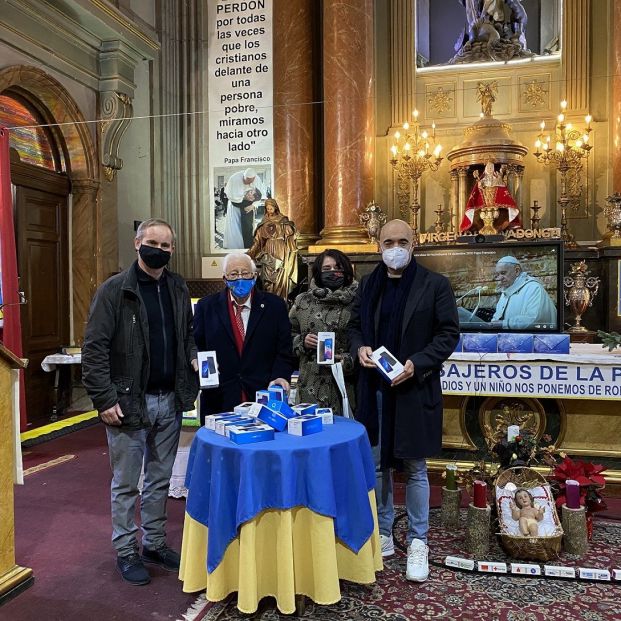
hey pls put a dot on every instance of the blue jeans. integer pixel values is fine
(157, 447)
(416, 492)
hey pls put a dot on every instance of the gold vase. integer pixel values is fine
(580, 290)
(612, 211)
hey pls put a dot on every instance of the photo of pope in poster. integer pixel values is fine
(239, 193)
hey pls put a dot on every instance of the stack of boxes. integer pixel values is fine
(256, 421)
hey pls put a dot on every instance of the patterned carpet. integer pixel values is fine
(464, 596)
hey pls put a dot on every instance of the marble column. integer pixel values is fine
(348, 119)
(294, 112)
(616, 98)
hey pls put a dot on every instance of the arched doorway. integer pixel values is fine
(56, 245)
(40, 198)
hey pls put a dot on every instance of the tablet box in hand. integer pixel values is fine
(304, 425)
(387, 364)
(208, 369)
(263, 396)
(480, 343)
(277, 393)
(212, 419)
(282, 407)
(327, 418)
(325, 347)
(303, 409)
(269, 416)
(249, 434)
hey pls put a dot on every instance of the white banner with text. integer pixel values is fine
(532, 379)
(241, 126)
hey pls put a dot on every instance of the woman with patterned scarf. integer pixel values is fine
(325, 307)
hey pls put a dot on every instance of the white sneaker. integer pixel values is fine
(388, 545)
(417, 568)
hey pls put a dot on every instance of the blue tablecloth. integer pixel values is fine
(330, 472)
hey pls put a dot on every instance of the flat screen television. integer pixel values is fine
(502, 287)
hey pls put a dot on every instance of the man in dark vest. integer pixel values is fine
(412, 312)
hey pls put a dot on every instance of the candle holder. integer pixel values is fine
(535, 218)
(439, 226)
(477, 530)
(575, 529)
(579, 291)
(570, 147)
(449, 510)
(412, 153)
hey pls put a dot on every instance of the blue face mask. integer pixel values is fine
(242, 287)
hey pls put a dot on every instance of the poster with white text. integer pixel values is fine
(241, 128)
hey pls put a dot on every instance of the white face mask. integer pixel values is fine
(396, 258)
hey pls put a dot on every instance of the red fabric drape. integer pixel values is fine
(12, 331)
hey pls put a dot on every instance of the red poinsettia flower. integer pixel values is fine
(589, 478)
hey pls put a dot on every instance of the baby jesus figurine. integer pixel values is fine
(523, 510)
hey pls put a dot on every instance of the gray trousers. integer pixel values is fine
(157, 448)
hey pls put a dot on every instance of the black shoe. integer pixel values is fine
(132, 569)
(164, 557)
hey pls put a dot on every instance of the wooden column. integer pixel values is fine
(13, 578)
(294, 112)
(348, 119)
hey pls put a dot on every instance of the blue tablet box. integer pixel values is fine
(274, 419)
(303, 409)
(263, 396)
(250, 434)
(212, 419)
(282, 407)
(304, 425)
(480, 343)
(551, 344)
(515, 343)
(223, 423)
(327, 417)
(277, 393)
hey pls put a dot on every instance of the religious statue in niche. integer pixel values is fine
(495, 30)
(490, 200)
(275, 250)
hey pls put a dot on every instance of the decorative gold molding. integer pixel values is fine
(441, 101)
(534, 94)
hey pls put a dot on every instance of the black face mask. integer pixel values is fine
(155, 258)
(332, 280)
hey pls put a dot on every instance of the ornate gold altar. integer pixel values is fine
(487, 140)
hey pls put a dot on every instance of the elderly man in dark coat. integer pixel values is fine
(412, 312)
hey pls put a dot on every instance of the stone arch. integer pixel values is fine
(83, 171)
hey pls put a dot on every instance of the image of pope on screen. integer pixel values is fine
(524, 302)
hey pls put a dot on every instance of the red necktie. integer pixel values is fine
(238, 319)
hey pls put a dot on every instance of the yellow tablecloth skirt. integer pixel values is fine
(279, 553)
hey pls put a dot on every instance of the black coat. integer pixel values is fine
(266, 355)
(429, 333)
(115, 354)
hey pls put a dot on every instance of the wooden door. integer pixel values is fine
(42, 263)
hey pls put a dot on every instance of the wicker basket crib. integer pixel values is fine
(541, 548)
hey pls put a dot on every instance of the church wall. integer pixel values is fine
(134, 179)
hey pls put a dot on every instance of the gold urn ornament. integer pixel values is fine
(579, 290)
(373, 218)
(612, 211)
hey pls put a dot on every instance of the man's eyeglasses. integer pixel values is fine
(239, 275)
